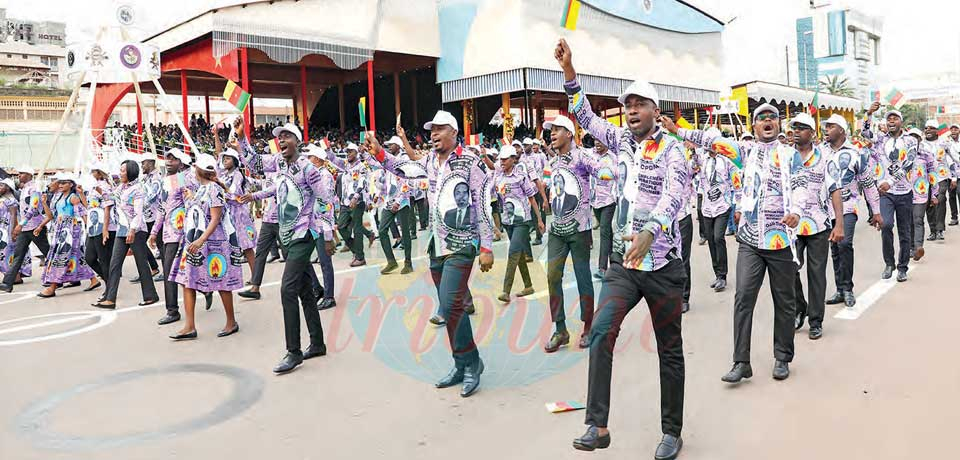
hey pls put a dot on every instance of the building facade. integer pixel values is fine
(31, 52)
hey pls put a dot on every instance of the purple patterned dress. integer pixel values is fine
(239, 213)
(217, 266)
(65, 261)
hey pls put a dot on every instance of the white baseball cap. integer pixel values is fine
(805, 120)
(893, 112)
(561, 121)
(538, 141)
(352, 146)
(640, 88)
(442, 118)
(26, 169)
(915, 132)
(507, 151)
(954, 125)
(837, 119)
(147, 156)
(746, 136)
(528, 141)
(765, 108)
(516, 142)
(395, 140)
(183, 157)
(206, 162)
(315, 151)
(9, 183)
(931, 124)
(292, 128)
(231, 153)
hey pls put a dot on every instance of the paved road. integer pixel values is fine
(112, 386)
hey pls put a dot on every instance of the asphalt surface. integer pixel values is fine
(78, 382)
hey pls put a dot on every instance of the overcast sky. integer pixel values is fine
(920, 37)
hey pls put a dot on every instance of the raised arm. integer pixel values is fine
(599, 128)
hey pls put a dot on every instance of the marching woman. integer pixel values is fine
(8, 220)
(236, 183)
(66, 262)
(101, 224)
(131, 235)
(207, 261)
(516, 192)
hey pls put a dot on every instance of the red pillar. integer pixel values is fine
(139, 145)
(206, 101)
(245, 84)
(303, 102)
(183, 100)
(373, 116)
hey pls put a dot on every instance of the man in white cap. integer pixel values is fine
(452, 249)
(896, 155)
(655, 183)
(29, 228)
(325, 226)
(768, 212)
(952, 145)
(151, 184)
(295, 213)
(720, 192)
(354, 201)
(396, 210)
(854, 167)
(534, 163)
(820, 179)
(944, 174)
(925, 191)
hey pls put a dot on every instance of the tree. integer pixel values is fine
(836, 85)
(914, 115)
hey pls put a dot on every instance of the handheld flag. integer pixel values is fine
(814, 106)
(274, 145)
(475, 139)
(235, 95)
(683, 123)
(564, 406)
(571, 13)
(362, 107)
(895, 98)
(325, 143)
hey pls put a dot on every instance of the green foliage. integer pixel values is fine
(836, 85)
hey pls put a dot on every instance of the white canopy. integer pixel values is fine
(776, 93)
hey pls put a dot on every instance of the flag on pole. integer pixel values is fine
(875, 95)
(475, 139)
(815, 105)
(362, 107)
(274, 145)
(942, 129)
(325, 143)
(235, 95)
(571, 13)
(683, 123)
(895, 98)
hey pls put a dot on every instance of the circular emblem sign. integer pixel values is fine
(130, 56)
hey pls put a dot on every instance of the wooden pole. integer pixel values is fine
(303, 102)
(136, 88)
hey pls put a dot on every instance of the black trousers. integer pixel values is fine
(539, 201)
(901, 208)
(917, 230)
(605, 216)
(326, 267)
(350, 223)
(842, 254)
(296, 291)
(140, 251)
(98, 254)
(150, 257)
(451, 275)
(578, 246)
(519, 245)
(267, 242)
(716, 228)
(622, 290)
(20, 251)
(170, 288)
(953, 204)
(686, 240)
(389, 219)
(937, 215)
(752, 264)
(423, 212)
(815, 247)
(701, 228)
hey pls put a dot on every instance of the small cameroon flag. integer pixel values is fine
(236, 95)
(475, 139)
(274, 145)
(362, 107)
(570, 15)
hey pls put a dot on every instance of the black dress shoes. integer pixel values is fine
(836, 299)
(798, 321)
(781, 370)
(669, 448)
(255, 295)
(585, 340)
(815, 332)
(557, 340)
(887, 272)
(208, 299)
(721, 285)
(169, 318)
(6, 287)
(389, 268)
(739, 372)
(407, 268)
(471, 379)
(187, 336)
(713, 284)
(234, 330)
(315, 350)
(849, 299)
(288, 363)
(592, 440)
(273, 258)
(470, 309)
(326, 303)
(901, 276)
(437, 320)
(454, 377)
(685, 308)
(73, 284)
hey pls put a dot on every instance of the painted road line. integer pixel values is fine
(103, 318)
(871, 296)
(23, 296)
